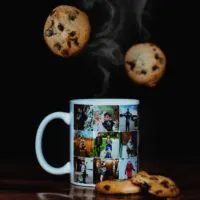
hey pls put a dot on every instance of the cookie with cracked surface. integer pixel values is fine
(145, 64)
(117, 187)
(157, 185)
(66, 30)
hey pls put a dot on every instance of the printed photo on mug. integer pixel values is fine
(128, 118)
(105, 169)
(83, 170)
(128, 147)
(82, 116)
(83, 143)
(96, 118)
(127, 168)
(106, 144)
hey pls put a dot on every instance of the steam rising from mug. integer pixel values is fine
(105, 45)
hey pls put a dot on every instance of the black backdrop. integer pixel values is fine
(38, 83)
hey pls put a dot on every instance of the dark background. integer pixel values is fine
(38, 83)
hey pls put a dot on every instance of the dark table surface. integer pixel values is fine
(27, 181)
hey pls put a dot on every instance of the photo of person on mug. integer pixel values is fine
(98, 121)
(98, 144)
(83, 143)
(128, 116)
(129, 170)
(108, 123)
(128, 144)
(102, 170)
(127, 167)
(105, 170)
(105, 118)
(80, 116)
(106, 144)
(83, 170)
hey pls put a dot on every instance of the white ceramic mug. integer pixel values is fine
(104, 140)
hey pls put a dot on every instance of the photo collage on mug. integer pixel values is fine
(105, 142)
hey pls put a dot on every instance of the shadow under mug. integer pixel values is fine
(104, 140)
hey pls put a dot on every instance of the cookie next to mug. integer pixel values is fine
(145, 64)
(157, 185)
(117, 187)
(67, 30)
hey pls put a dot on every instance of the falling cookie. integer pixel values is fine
(145, 64)
(67, 30)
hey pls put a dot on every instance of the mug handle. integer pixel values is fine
(38, 144)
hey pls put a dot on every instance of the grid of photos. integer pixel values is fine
(105, 142)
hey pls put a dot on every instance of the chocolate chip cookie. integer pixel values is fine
(157, 185)
(117, 187)
(145, 64)
(66, 30)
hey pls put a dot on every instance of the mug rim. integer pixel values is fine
(105, 101)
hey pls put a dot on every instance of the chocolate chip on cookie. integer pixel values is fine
(131, 64)
(61, 27)
(65, 52)
(49, 32)
(107, 187)
(72, 34)
(72, 16)
(143, 72)
(76, 42)
(155, 67)
(165, 183)
(58, 46)
(159, 58)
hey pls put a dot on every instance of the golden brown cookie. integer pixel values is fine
(66, 30)
(117, 187)
(157, 185)
(145, 64)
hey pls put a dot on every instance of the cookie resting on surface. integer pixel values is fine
(141, 183)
